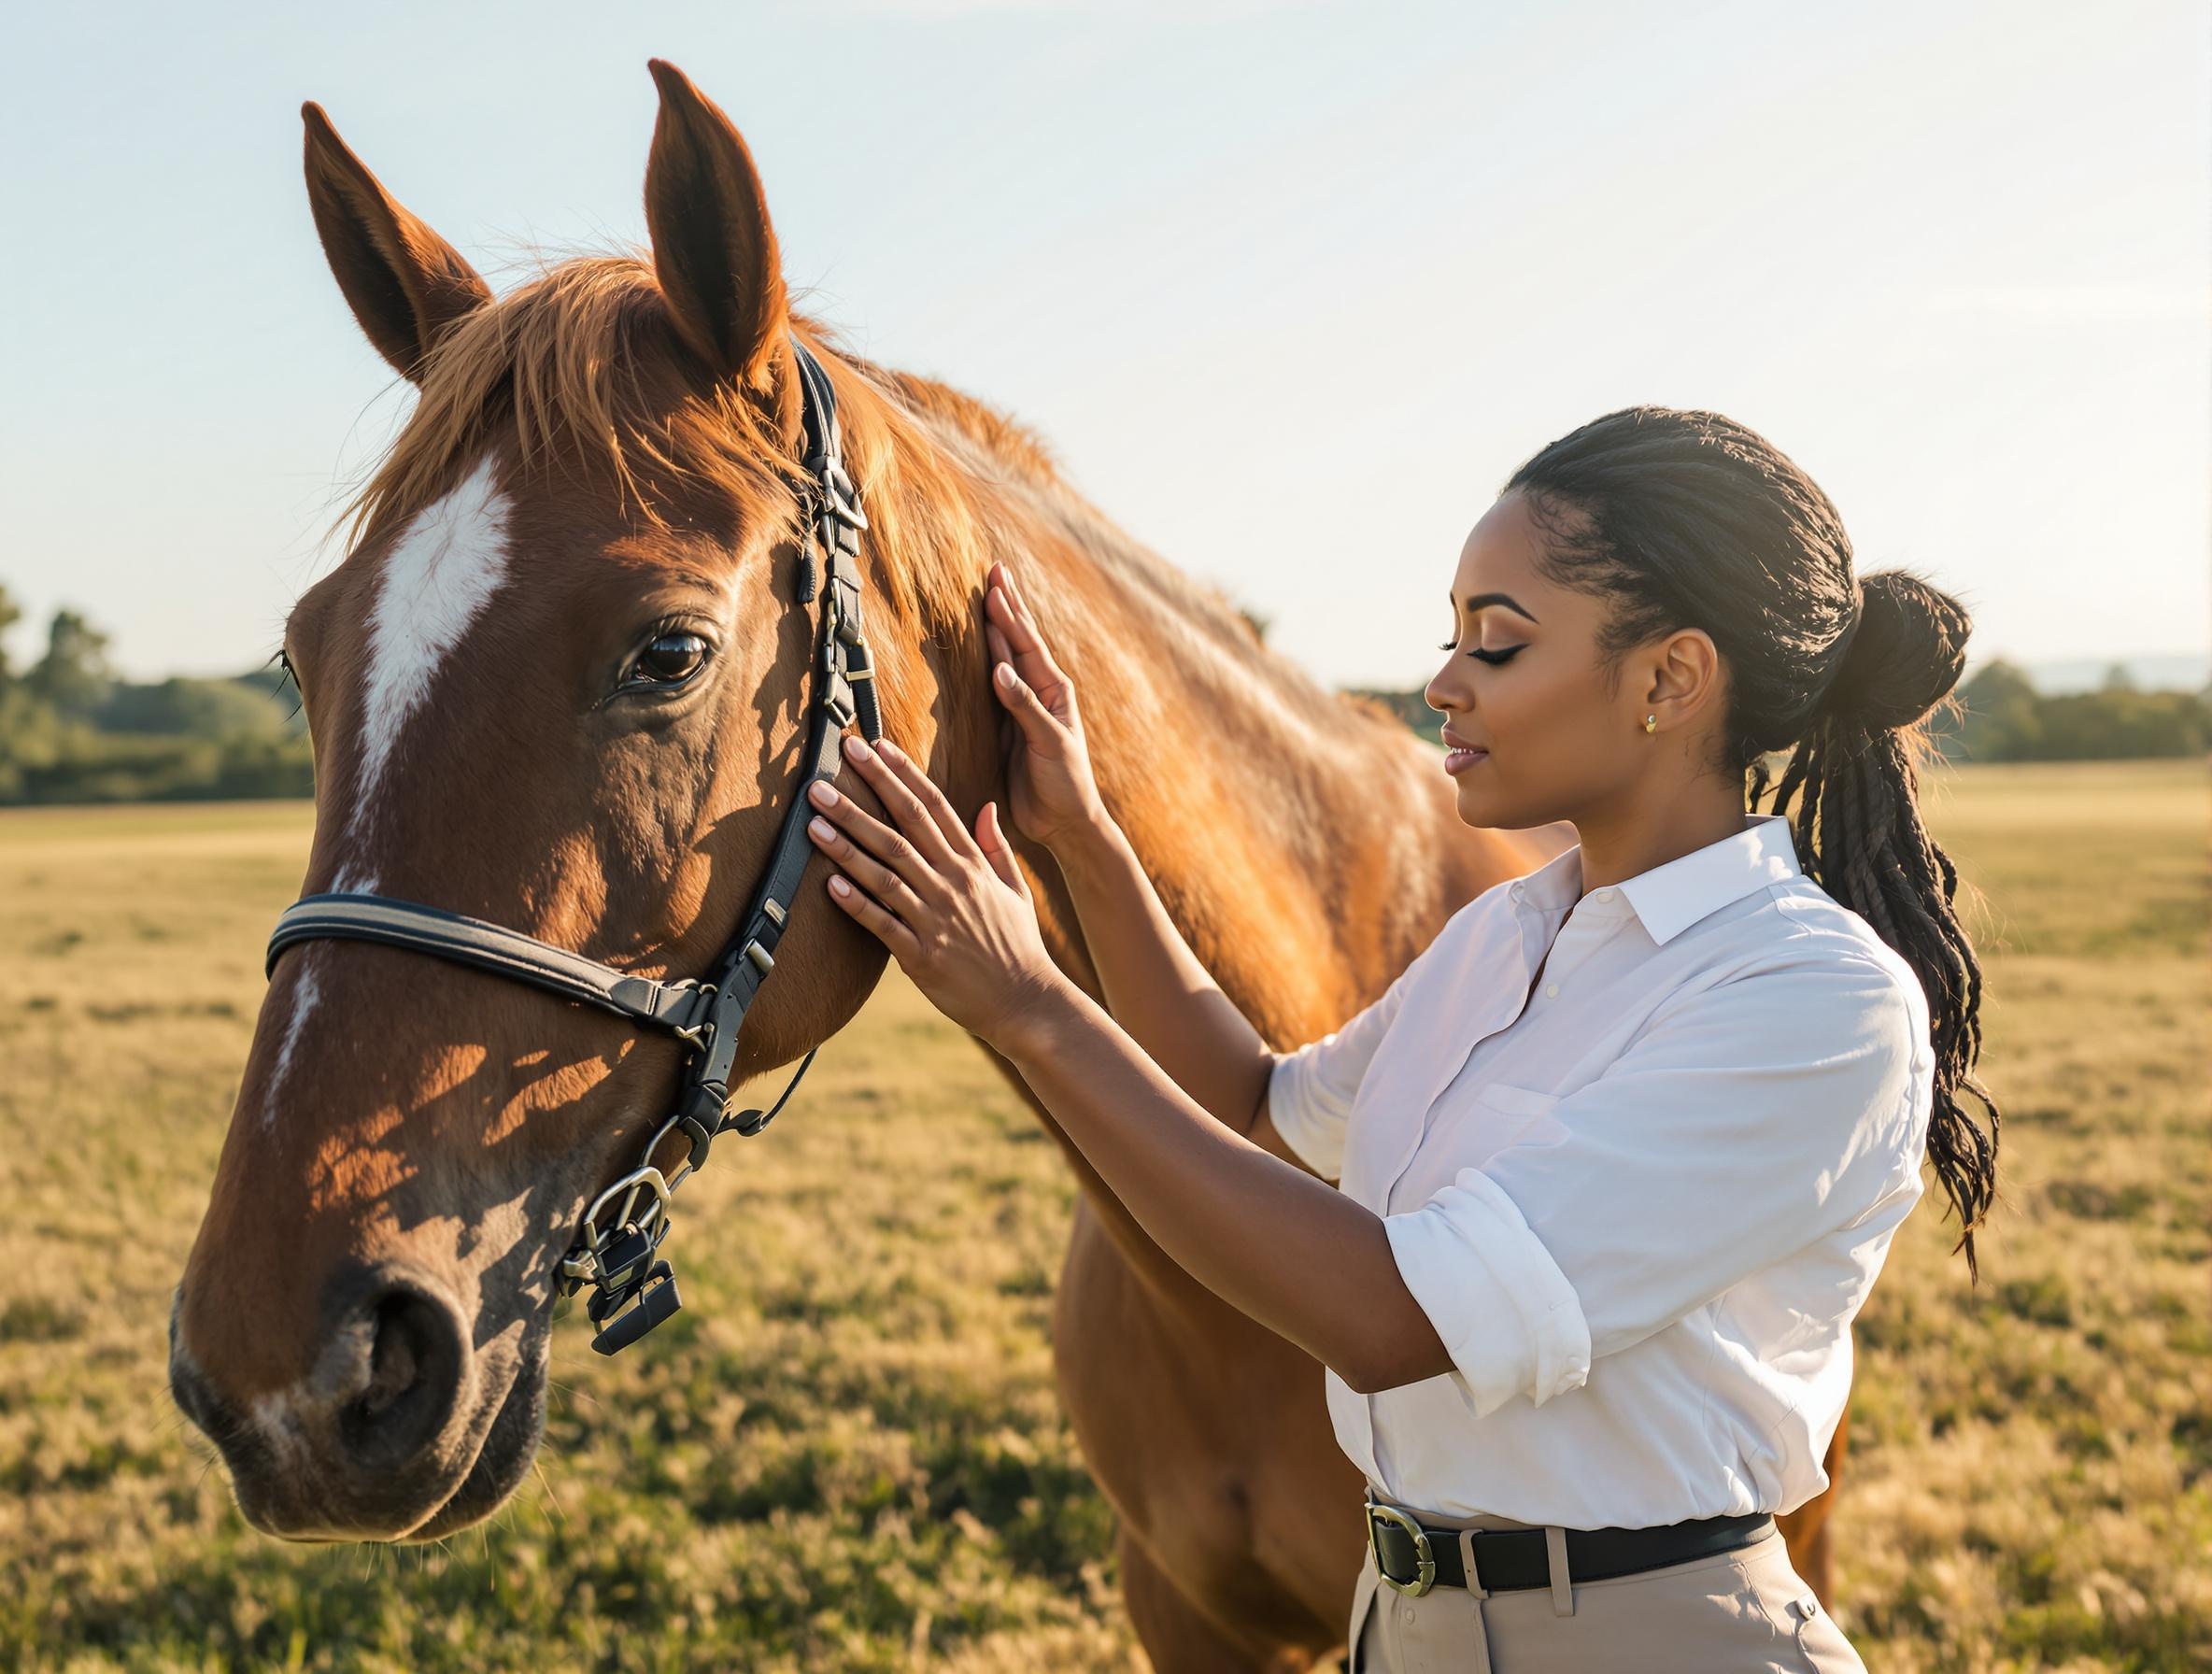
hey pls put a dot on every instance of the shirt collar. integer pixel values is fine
(1669, 898)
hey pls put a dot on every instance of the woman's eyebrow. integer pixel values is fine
(1479, 600)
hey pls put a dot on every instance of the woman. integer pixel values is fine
(1619, 1155)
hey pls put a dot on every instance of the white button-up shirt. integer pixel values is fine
(1641, 1195)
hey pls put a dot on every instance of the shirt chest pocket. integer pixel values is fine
(1497, 1115)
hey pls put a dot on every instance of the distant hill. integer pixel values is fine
(2008, 714)
(2179, 672)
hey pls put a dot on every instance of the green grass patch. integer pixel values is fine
(853, 1459)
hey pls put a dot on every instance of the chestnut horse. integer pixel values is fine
(597, 470)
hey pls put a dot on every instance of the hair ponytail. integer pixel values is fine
(1854, 777)
(1686, 519)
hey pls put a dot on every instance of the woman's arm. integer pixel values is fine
(1154, 985)
(1155, 988)
(1263, 1235)
(955, 910)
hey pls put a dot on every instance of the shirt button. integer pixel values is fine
(1605, 894)
(1551, 990)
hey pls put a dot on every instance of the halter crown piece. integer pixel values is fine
(616, 1252)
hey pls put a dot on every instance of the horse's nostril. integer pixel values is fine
(392, 1360)
(414, 1375)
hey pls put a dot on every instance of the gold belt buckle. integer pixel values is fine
(1425, 1575)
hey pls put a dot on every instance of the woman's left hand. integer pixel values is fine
(954, 909)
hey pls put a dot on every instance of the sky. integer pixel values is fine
(1289, 288)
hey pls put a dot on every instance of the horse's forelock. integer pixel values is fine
(580, 367)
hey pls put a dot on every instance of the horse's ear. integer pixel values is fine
(403, 282)
(712, 248)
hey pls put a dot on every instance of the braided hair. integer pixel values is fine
(1687, 519)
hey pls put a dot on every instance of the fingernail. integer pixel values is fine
(839, 887)
(822, 828)
(857, 747)
(823, 794)
(1006, 674)
(891, 751)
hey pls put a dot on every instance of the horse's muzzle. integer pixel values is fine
(373, 1438)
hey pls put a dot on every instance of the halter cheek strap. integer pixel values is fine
(617, 1251)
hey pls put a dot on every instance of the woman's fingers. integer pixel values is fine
(874, 918)
(933, 802)
(1014, 691)
(864, 868)
(1003, 606)
(1039, 726)
(905, 806)
(869, 835)
(990, 836)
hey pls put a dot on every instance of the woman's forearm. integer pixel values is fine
(1154, 985)
(1298, 1255)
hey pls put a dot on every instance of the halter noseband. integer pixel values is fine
(632, 1289)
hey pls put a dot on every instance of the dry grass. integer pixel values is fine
(847, 1454)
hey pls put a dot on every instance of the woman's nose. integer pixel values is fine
(1438, 698)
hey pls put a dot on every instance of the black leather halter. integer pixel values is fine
(618, 1259)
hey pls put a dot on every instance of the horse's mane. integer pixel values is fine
(582, 364)
(1005, 438)
(560, 356)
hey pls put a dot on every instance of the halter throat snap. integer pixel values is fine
(616, 1252)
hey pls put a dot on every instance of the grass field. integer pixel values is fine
(847, 1454)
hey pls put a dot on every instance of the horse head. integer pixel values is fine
(557, 684)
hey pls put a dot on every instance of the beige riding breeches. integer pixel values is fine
(1735, 1613)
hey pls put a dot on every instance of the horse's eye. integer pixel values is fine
(671, 660)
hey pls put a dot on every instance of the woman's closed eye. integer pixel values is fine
(1503, 654)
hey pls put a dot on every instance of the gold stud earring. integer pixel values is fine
(1651, 723)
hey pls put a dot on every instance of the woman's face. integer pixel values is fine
(1542, 733)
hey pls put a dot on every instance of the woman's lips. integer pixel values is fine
(1457, 761)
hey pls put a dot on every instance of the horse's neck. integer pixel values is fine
(1303, 843)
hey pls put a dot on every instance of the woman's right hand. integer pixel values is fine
(1049, 787)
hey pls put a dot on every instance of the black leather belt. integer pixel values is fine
(1412, 1557)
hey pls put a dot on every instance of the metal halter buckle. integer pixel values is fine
(609, 1255)
(633, 1291)
(1425, 1574)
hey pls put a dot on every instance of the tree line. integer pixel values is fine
(72, 732)
(1999, 715)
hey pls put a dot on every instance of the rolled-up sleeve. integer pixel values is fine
(1747, 1122)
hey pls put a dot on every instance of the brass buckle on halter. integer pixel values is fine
(1424, 1558)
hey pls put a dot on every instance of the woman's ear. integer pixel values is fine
(1683, 682)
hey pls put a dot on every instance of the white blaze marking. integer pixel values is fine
(447, 564)
(306, 993)
(446, 567)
